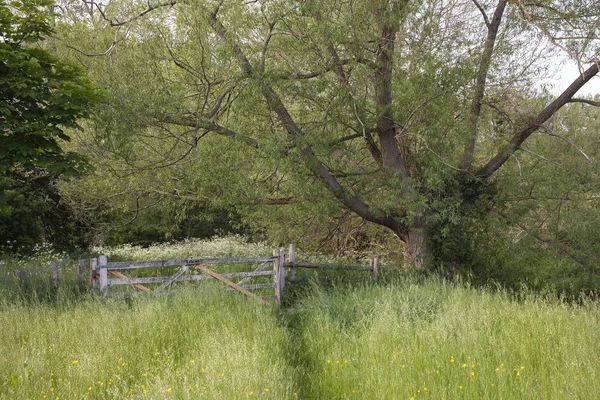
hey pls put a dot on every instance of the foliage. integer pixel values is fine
(41, 99)
(415, 117)
(32, 212)
(173, 221)
(40, 95)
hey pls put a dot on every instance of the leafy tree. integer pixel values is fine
(32, 211)
(414, 116)
(40, 96)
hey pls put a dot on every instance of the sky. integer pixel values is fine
(568, 73)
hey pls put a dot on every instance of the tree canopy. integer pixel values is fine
(40, 96)
(425, 118)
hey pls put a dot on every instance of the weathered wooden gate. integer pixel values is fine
(106, 275)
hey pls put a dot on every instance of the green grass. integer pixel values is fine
(339, 336)
(184, 346)
(435, 340)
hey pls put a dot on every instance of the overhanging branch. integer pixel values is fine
(115, 22)
(586, 101)
(533, 125)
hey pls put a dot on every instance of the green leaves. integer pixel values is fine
(25, 22)
(40, 96)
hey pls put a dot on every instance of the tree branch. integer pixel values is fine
(482, 11)
(118, 38)
(482, 74)
(586, 101)
(550, 132)
(115, 23)
(517, 140)
(345, 139)
(199, 122)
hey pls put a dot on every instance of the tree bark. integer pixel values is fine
(415, 251)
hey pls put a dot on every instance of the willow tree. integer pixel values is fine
(402, 112)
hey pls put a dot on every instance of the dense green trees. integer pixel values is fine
(40, 98)
(424, 118)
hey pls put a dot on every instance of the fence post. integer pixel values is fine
(81, 274)
(292, 257)
(375, 262)
(54, 267)
(93, 276)
(102, 265)
(281, 277)
(276, 273)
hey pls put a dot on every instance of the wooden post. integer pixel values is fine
(281, 275)
(375, 268)
(102, 265)
(292, 257)
(81, 274)
(93, 276)
(54, 267)
(276, 275)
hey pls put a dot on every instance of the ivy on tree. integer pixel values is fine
(40, 95)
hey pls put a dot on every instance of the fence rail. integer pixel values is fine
(161, 279)
(122, 265)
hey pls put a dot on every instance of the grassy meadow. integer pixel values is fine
(401, 338)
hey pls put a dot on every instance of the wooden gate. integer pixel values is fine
(106, 275)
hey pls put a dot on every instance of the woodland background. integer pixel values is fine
(426, 132)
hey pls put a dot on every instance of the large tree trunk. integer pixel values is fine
(415, 251)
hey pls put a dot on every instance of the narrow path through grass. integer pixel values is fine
(427, 340)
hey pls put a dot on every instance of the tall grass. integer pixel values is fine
(184, 346)
(441, 341)
(340, 337)
(39, 286)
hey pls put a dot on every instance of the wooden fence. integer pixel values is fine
(105, 276)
